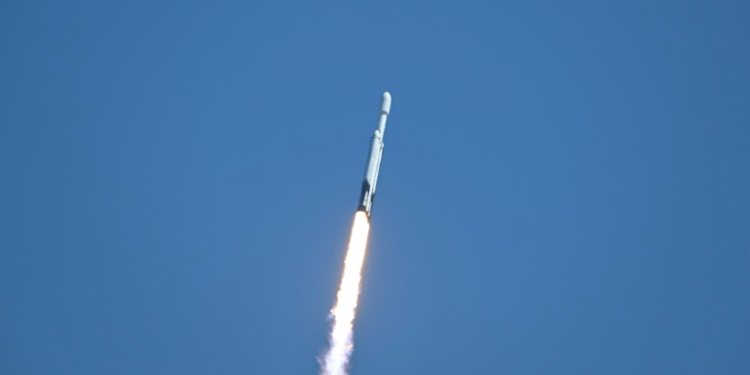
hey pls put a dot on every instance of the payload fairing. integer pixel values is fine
(373, 162)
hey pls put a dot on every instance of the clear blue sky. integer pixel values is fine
(565, 187)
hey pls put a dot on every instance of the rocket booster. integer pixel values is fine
(373, 161)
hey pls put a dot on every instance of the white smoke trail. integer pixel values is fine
(337, 357)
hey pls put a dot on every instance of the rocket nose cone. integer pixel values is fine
(385, 107)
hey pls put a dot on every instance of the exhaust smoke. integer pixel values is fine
(337, 357)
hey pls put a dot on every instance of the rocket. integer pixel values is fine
(373, 160)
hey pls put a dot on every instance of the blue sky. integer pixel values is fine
(564, 188)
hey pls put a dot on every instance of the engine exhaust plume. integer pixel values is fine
(336, 359)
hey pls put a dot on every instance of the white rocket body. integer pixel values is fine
(374, 157)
